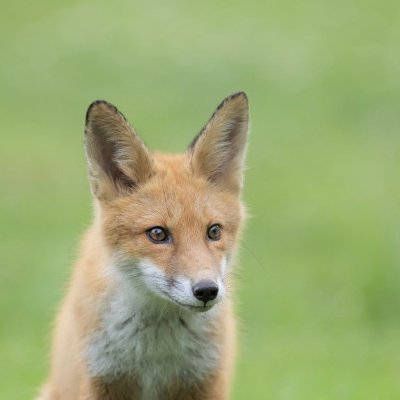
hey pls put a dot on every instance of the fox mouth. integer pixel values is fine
(191, 307)
(200, 308)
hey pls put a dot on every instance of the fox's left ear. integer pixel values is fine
(218, 151)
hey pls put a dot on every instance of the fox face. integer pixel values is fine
(170, 222)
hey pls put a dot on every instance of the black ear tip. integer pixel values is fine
(236, 95)
(238, 99)
(240, 93)
(99, 103)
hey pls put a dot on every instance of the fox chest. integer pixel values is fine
(157, 348)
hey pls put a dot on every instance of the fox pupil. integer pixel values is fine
(157, 234)
(214, 232)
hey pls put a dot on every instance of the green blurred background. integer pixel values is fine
(320, 279)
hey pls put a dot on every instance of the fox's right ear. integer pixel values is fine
(118, 160)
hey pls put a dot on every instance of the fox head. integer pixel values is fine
(170, 222)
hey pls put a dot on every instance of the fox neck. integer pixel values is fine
(143, 335)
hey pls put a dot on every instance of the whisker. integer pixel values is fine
(258, 262)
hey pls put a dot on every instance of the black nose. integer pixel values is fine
(205, 290)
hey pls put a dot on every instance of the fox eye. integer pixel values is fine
(214, 232)
(158, 234)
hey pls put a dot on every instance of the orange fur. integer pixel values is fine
(135, 190)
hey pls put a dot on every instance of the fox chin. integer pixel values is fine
(148, 313)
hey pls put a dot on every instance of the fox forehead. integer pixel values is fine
(176, 199)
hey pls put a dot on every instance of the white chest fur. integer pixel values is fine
(156, 342)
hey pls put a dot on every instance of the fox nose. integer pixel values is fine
(205, 290)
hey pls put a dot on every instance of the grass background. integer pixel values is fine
(320, 286)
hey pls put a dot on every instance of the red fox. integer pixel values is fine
(148, 313)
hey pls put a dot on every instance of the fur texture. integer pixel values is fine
(131, 326)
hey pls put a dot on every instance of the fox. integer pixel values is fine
(148, 313)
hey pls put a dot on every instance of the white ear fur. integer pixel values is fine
(218, 151)
(118, 160)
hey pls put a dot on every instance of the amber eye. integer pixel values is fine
(158, 234)
(214, 232)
